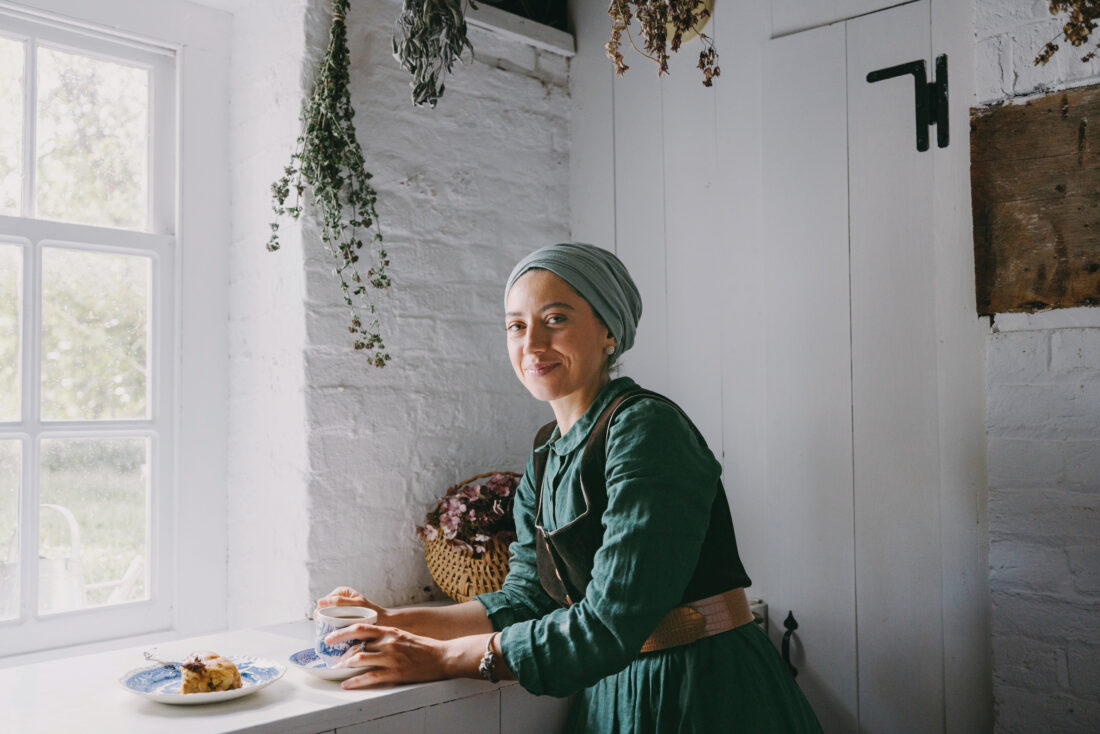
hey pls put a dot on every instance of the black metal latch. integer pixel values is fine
(930, 97)
(791, 624)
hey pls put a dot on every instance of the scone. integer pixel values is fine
(208, 671)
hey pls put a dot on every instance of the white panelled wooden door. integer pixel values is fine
(852, 395)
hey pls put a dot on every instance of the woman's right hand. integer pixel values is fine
(345, 596)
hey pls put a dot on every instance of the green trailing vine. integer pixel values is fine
(430, 36)
(328, 165)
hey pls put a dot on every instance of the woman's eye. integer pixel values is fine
(555, 319)
(513, 327)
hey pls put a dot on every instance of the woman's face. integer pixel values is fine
(556, 343)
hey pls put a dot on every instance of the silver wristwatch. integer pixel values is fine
(488, 664)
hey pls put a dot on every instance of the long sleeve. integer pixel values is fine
(660, 485)
(521, 597)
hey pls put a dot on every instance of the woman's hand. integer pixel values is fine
(345, 596)
(393, 655)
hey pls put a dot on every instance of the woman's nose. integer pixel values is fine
(536, 339)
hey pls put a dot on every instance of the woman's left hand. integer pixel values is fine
(394, 655)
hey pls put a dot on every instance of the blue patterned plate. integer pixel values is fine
(308, 661)
(161, 683)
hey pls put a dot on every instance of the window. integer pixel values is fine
(87, 331)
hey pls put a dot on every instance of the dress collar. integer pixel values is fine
(578, 433)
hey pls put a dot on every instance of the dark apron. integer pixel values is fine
(565, 556)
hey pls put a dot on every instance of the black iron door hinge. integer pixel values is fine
(930, 97)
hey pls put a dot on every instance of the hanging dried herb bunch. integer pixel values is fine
(1083, 15)
(664, 26)
(329, 163)
(430, 35)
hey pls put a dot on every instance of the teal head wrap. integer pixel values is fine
(599, 277)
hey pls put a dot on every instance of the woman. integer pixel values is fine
(625, 586)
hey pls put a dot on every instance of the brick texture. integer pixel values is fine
(1043, 425)
(333, 462)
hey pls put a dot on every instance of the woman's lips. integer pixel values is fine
(540, 370)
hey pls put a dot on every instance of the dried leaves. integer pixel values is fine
(328, 162)
(1083, 15)
(430, 36)
(469, 515)
(657, 18)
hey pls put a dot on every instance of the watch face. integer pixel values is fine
(488, 666)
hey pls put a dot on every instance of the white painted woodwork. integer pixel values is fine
(789, 16)
(741, 31)
(479, 714)
(694, 285)
(639, 213)
(591, 130)
(967, 679)
(517, 28)
(894, 383)
(809, 410)
(522, 713)
(406, 722)
(839, 474)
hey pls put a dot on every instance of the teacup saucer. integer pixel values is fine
(308, 661)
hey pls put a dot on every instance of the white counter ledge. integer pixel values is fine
(82, 694)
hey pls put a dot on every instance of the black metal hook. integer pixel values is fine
(791, 624)
(930, 98)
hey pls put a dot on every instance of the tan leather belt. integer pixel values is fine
(698, 619)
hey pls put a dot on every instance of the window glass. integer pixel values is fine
(10, 456)
(11, 126)
(11, 298)
(92, 140)
(95, 335)
(93, 522)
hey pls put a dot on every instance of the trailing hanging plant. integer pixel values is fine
(1083, 16)
(664, 25)
(329, 163)
(430, 35)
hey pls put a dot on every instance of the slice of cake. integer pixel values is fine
(207, 671)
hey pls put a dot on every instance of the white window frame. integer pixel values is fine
(189, 388)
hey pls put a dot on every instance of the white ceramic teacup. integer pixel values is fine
(331, 619)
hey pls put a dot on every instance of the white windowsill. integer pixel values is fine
(95, 701)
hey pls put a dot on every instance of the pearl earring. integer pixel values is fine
(611, 349)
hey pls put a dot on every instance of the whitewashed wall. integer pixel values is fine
(1043, 375)
(268, 461)
(332, 462)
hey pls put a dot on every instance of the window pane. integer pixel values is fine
(11, 299)
(95, 335)
(11, 126)
(10, 456)
(93, 140)
(93, 522)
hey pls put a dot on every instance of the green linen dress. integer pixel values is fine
(660, 485)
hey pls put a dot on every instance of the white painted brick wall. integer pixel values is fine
(465, 190)
(267, 452)
(1043, 426)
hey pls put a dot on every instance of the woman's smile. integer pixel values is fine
(541, 369)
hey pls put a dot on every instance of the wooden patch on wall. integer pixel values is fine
(1035, 180)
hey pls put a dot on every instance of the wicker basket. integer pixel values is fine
(458, 573)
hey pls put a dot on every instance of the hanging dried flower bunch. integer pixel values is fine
(664, 26)
(1083, 15)
(329, 162)
(430, 36)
